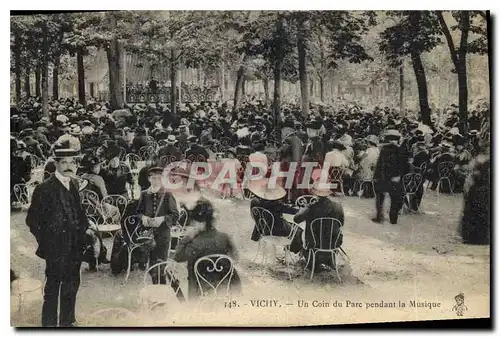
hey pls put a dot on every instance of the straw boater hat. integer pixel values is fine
(319, 190)
(171, 139)
(63, 149)
(262, 190)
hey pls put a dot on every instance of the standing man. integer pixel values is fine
(392, 164)
(58, 222)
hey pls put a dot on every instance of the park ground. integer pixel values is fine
(420, 259)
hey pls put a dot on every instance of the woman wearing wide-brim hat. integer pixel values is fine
(270, 198)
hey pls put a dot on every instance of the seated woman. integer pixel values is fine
(89, 170)
(116, 176)
(323, 208)
(271, 200)
(203, 239)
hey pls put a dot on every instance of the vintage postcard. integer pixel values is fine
(249, 168)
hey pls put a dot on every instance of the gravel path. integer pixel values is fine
(420, 259)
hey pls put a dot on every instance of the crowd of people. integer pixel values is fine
(368, 152)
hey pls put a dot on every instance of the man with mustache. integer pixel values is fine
(57, 220)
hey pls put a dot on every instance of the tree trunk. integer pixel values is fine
(240, 77)
(17, 69)
(463, 94)
(459, 61)
(27, 84)
(418, 67)
(45, 74)
(243, 88)
(265, 82)
(173, 87)
(55, 77)
(277, 95)
(81, 77)
(279, 55)
(401, 89)
(113, 53)
(322, 88)
(38, 75)
(311, 87)
(301, 48)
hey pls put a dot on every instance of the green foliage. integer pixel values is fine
(414, 31)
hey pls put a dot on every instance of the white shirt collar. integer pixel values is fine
(64, 180)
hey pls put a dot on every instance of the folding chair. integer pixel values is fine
(264, 221)
(146, 152)
(159, 293)
(211, 272)
(133, 241)
(179, 230)
(411, 183)
(91, 204)
(326, 244)
(23, 196)
(336, 175)
(112, 215)
(445, 170)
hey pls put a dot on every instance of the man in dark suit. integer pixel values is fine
(323, 208)
(444, 155)
(195, 150)
(157, 209)
(391, 165)
(170, 149)
(420, 161)
(58, 222)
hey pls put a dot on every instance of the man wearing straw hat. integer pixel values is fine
(58, 222)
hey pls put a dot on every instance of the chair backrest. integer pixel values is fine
(160, 270)
(212, 271)
(306, 200)
(264, 220)
(131, 224)
(411, 182)
(323, 230)
(183, 218)
(165, 160)
(445, 169)
(123, 153)
(146, 152)
(90, 203)
(225, 142)
(132, 159)
(336, 174)
(119, 201)
(36, 161)
(22, 194)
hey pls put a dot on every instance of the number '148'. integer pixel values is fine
(230, 304)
